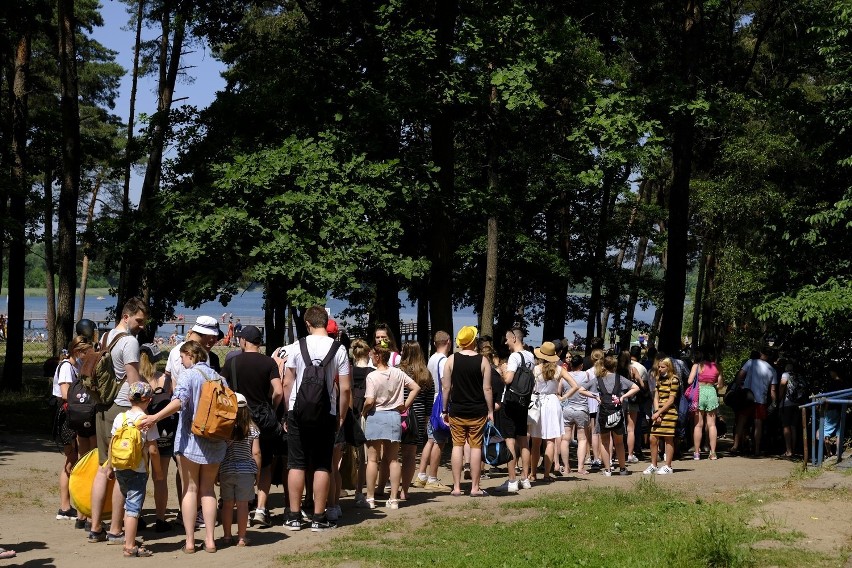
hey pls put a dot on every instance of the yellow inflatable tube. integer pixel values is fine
(80, 485)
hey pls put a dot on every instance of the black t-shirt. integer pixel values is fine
(467, 400)
(214, 362)
(497, 385)
(254, 372)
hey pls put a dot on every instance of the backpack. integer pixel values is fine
(436, 420)
(97, 374)
(126, 445)
(313, 401)
(80, 406)
(610, 415)
(796, 391)
(167, 427)
(521, 388)
(216, 412)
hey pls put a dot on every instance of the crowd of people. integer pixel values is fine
(324, 405)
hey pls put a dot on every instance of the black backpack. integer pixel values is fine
(162, 396)
(313, 401)
(81, 406)
(520, 391)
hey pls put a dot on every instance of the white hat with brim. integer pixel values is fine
(206, 325)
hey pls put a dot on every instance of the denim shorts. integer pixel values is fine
(439, 436)
(132, 484)
(384, 425)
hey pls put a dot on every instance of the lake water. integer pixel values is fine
(249, 306)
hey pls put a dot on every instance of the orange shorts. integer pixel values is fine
(468, 430)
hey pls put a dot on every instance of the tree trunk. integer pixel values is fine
(697, 302)
(423, 317)
(159, 128)
(70, 188)
(645, 192)
(709, 335)
(49, 272)
(129, 150)
(13, 364)
(490, 297)
(84, 275)
(599, 263)
(443, 155)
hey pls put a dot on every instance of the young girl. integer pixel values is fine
(163, 388)
(664, 419)
(238, 474)
(63, 378)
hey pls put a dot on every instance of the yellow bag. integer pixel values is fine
(126, 445)
(80, 485)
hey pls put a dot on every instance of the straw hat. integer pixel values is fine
(547, 352)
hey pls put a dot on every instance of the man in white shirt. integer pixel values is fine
(512, 417)
(309, 450)
(431, 456)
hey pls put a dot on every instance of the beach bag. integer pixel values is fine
(313, 401)
(80, 484)
(521, 389)
(610, 416)
(97, 374)
(216, 412)
(495, 451)
(436, 420)
(534, 410)
(690, 396)
(126, 445)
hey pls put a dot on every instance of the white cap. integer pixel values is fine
(241, 401)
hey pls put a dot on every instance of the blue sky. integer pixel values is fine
(198, 87)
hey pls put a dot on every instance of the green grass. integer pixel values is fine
(647, 526)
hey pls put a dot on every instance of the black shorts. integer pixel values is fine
(270, 446)
(512, 420)
(310, 450)
(790, 416)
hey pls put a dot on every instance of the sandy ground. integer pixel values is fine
(817, 508)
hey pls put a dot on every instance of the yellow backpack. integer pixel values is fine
(126, 445)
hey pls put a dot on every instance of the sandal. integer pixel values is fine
(243, 541)
(713, 456)
(137, 552)
(210, 549)
(6, 554)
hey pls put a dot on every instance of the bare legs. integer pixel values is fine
(198, 481)
(631, 432)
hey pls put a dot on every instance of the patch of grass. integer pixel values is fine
(647, 525)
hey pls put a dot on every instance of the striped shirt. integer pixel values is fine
(667, 388)
(238, 456)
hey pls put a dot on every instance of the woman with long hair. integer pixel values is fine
(575, 416)
(710, 380)
(360, 353)
(383, 404)
(613, 390)
(413, 364)
(664, 418)
(198, 457)
(73, 442)
(549, 426)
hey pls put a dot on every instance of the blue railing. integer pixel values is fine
(818, 403)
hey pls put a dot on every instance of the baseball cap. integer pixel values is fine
(331, 327)
(241, 400)
(153, 351)
(139, 391)
(251, 334)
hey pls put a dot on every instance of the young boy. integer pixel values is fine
(133, 481)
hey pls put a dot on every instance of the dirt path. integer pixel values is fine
(29, 499)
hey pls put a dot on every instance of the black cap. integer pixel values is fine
(251, 334)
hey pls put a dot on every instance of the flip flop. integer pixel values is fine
(582, 472)
(480, 493)
(454, 494)
(6, 554)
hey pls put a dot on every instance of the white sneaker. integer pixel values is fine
(507, 487)
(607, 472)
(525, 484)
(665, 470)
(632, 459)
(650, 470)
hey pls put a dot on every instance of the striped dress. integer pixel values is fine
(667, 388)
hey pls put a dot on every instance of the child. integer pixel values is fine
(133, 482)
(239, 473)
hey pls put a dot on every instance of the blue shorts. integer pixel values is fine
(132, 484)
(439, 436)
(384, 425)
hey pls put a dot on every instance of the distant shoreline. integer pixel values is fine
(42, 292)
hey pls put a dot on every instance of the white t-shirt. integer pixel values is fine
(151, 435)
(65, 374)
(126, 351)
(437, 366)
(759, 377)
(318, 347)
(515, 359)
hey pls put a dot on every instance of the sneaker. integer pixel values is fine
(199, 521)
(98, 536)
(115, 538)
(67, 515)
(322, 524)
(293, 522)
(607, 472)
(162, 526)
(665, 470)
(507, 487)
(650, 470)
(393, 504)
(623, 471)
(632, 459)
(435, 485)
(261, 518)
(467, 472)
(597, 464)
(332, 513)
(696, 456)
(417, 482)
(525, 484)
(484, 475)
(366, 503)
(80, 523)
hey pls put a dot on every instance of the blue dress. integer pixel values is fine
(188, 390)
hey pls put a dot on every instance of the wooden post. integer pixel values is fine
(805, 437)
